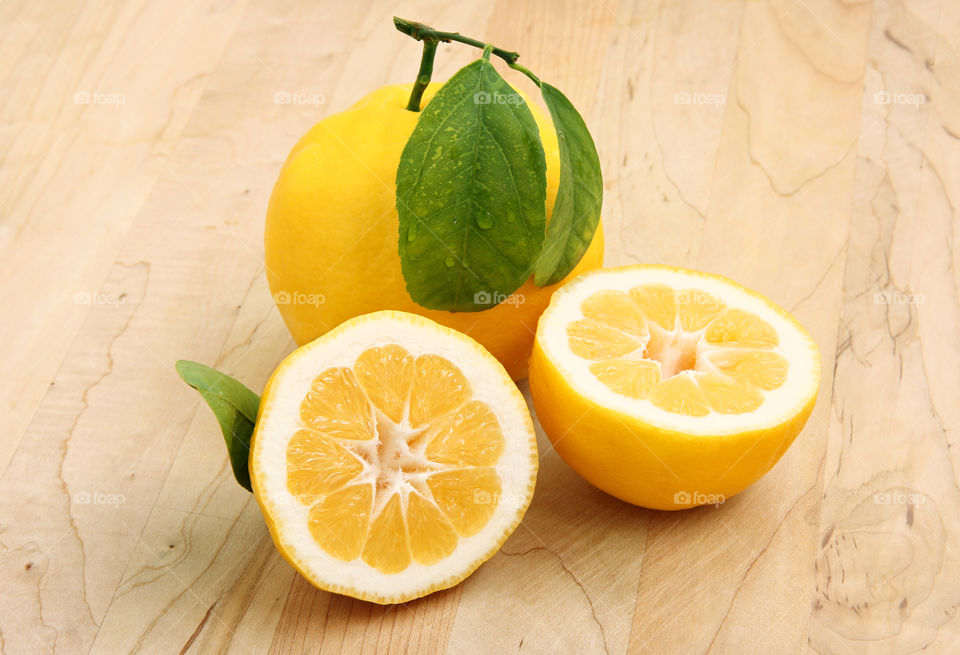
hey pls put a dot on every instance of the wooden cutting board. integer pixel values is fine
(809, 149)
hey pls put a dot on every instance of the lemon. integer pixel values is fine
(332, 232)
(391, 457)
(670, 388)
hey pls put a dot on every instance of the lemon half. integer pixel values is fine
(391, 457)
(670, 388)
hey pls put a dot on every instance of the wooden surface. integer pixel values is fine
(807, 148)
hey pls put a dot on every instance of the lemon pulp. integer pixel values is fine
(395, 459)
(683, 350)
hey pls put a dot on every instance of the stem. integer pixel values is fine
(422, 32)
(424, 75)
(526, 71)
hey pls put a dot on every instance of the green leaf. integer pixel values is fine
(471, 189)
(576, 211)
(235, 407)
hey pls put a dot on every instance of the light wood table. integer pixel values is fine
(809, 149)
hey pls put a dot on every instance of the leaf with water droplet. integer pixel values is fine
(576, 211)
(459, 204)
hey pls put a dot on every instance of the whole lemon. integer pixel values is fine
(332, 230)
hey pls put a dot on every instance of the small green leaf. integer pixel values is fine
(471, 189)
(235, 407)
(576, 211)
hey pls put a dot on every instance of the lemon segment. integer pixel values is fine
(738, 327)
(438, 389)
(627, 377)
(432, 538)
(339, 521)
(761, 369)
(657, 302)
(386, 547)
(468, 436)
(729, 396)
(386, 374)
(696, 309)
(318, 465)
(593, 339)
(616, 310)
(336, 406)
(680, 394)
(467, 498)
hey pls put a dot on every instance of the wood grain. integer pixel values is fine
(807, 148)
(887, 566)
(94, 103)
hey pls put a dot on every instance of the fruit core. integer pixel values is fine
(676, 351)
(396, 457)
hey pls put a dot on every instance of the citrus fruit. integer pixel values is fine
(391, 457)
(332, 231)
(670, 388)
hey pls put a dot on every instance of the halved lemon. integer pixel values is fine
(392, 456)
(670, 388)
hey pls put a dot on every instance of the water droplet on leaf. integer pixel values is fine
(484, 222)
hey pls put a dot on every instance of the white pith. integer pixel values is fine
(280, 419)
(779, 404)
